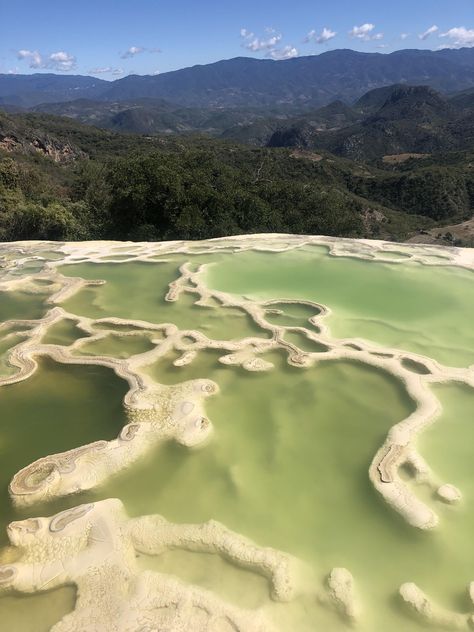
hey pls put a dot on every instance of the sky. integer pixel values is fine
(113, 38)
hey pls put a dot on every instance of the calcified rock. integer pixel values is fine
(340, 594)
(433, 614)
(94, 547)
(156, 414)
(449, 493)
(470, 590)
(152, 534)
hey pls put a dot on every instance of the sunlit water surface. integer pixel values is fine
(288, 463)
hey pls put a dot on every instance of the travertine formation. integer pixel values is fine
(104, 541)
(162, 407)
(157, 413)
(432, 614)
(340, 594)
(94, 547)
(152, 534)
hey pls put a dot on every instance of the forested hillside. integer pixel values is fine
(60, 179)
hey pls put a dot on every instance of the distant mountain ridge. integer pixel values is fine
(246, 82)
(29, 90)
(395, 120)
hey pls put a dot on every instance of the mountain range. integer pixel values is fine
(385, 122)
(393, 120)
(310, 81)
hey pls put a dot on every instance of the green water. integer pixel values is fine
(116, 346)
(51, 255)
(292, 315)
(21, 306)
(425, 309)
(6, 345)
(393, 254)
(447, 446)
(60, 407)
(35, 613)
(304, 343)
(64, 332)
(234, 584)
(115, 258)
(288, 463)
(288, 467)
(147, 285)
(415, 367)
(114, 327)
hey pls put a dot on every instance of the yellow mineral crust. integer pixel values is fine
(156, 413)
(152, 534)
(340, 594)
(95, 546)
(432, 614)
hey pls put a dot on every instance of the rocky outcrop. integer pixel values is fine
(19, 136)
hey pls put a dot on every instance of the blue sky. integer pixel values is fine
(112, 38)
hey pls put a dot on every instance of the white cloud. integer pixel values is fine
(136, 50)
(404, 36)
(257, 44)
(60, 56)
(428, 32)
(246, 34)
(155, 72)
(460, 36)
(132, 51)
(106, 70)
(59, 61)
(100, 71)
(269, 44)
(365, 33)
(287, 52)
(34, 58)
(325, 35)
(362, 32)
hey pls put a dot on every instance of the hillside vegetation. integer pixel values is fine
(61, 179)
